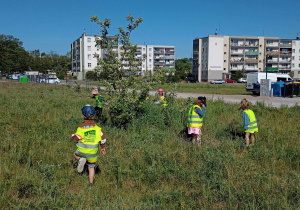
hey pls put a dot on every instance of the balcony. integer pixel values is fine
(237, 52)
(251, 52)
(237, 61)
(285, 45)
(272, 68)
(169, 57)
(284, 60)
(272, 52)
(251, 60)
(159, 52)
(251, 69)
(272, 45)
(239, 44)
(285, 68)
(272, 61)
(286, 53)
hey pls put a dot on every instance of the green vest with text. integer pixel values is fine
(99, 101)
(87, 147)
(252, 126)
(194, 120)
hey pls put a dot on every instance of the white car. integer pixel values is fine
(49, 79)
(218, 81)
(242, 80)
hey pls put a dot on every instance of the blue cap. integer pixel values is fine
(88, 111)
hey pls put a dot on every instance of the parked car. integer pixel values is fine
(49, 79)
(242, 80)
(218, 81)
(229, 81)
(9, 76)
(191, 80)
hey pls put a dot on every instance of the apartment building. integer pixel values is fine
(84, 49)
(296, 58)
(241, 53)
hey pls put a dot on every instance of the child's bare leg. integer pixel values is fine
(252, 138)
(77, 157)
(91, 174)
(199, 139)
(247, 139)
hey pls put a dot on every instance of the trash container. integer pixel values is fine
(24, 79)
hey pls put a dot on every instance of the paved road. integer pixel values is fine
(268, 101)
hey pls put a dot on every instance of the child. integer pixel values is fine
(195, 121)
(99, 102)
(250, 122)
(162, 98)
(88, 136)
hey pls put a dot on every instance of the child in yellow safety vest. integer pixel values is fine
(249, 122)
(195, 121)
(89, 137)
(162, 99)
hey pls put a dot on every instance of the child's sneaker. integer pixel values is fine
(81, 163)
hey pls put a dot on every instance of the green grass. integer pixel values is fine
(201, 88)
(149, 165)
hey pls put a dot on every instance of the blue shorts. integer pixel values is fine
(92, 165)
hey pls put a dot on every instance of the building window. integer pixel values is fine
(259, 68)
(224, 61)
(224, 53)
(89, 40)
(89, 65)
(298, 72)
(89, 48)
(260, 45)
(293, 65)
(89, 56)
(143, 49)
(98, 47)
(224, 69)
(225, 45)
(150, 60)
(150, 54)
(150, 49)
(293, 58)
(269, 42)
(216, 43)
(260, 53)
(150, 66)
(293, 50)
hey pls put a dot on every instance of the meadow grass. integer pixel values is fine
(206, 88)
(150, 164)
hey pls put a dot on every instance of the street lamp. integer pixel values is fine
(267, 57)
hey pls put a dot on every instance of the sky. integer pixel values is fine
(53, 25)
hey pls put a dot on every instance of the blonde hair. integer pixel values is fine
(244, 104)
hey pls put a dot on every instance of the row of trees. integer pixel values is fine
(14, 58)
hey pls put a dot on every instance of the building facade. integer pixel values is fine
(220, 57)
(84, 49)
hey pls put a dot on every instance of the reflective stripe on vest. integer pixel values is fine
(88, 145)
(194, 120)
(252, 126)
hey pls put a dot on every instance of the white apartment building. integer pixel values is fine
(219, 57)
(84, 49)
(296, 58)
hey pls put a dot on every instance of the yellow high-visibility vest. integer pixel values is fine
(194, 120)
(164, 101)
(87, 147)
(252, 126)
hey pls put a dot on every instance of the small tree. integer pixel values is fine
(120, 72)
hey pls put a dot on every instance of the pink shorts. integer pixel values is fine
(192, 130)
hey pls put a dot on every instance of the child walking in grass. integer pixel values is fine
(99, 102)
(89, 137)
(195, 121)
(249, 122)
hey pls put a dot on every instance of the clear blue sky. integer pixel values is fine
(53, 25)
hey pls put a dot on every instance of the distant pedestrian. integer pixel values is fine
(99, 102)
(195, 121)
(249, 122)
(89, 137)
(162, 99)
